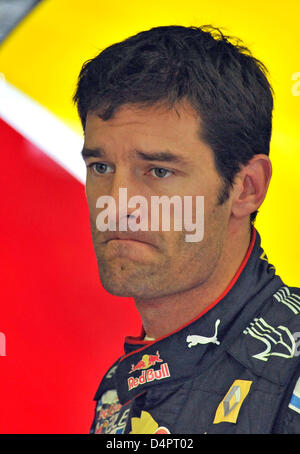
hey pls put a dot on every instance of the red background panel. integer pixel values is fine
(62, 329)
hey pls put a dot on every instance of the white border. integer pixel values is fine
(42, 128)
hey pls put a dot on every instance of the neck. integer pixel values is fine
(160, 316)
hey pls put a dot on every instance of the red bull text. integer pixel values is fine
(148, 376)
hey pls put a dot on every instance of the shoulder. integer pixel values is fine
(107, 383)
(269, 344)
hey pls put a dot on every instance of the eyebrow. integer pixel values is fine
(162, 156)
(92, 153)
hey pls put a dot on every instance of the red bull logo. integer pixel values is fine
(146, 362)
(150, 374)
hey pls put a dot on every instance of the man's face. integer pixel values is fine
(131, 144)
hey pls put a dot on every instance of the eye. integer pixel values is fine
(160, 172)
(99, 167)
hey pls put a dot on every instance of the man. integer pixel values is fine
(178, 111)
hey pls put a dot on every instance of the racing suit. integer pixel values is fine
(235, 368)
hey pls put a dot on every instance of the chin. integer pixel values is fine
(116, 290)
(128, 289)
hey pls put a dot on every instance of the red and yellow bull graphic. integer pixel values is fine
(150, 374)
(146, 362)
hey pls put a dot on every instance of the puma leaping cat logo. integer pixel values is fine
(194, 340)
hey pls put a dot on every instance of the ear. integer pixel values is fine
(251, 186)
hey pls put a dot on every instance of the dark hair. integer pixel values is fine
(217, 74)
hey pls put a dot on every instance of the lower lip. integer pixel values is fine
(136, 251)
(128, 241)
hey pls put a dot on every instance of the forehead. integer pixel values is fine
(179, 125)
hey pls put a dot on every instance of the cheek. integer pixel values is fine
(92, 208)
(188, 264)
(202, 252)
(92, 195)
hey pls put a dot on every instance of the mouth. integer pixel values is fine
(129, 241)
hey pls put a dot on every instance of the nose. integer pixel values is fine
(125, 189)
